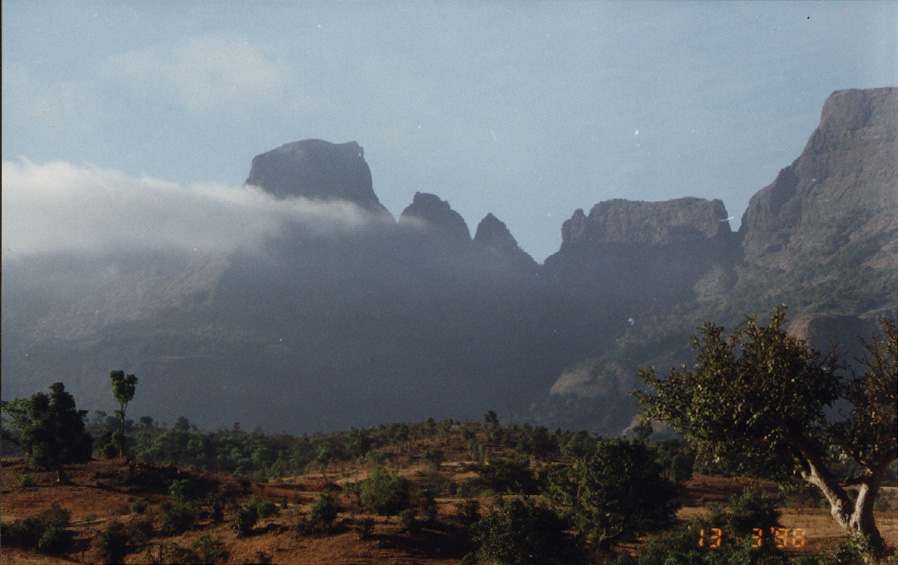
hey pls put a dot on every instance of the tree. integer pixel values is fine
(385, 493)
(520, 531)
(616, 494)
(123, 392)
(765, 397)
(49, 429)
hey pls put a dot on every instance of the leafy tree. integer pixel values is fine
(616, 494)
(324, 512)
(123, 391)
(763, 397)
(520, 531)
(49, 429)
(384, 493)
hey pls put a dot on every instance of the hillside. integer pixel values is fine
(355, 317)
(106, 491)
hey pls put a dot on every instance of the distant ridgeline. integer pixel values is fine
(400, 320)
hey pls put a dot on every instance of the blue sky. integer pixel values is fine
(528, 110)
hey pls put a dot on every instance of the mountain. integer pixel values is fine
(400, 320)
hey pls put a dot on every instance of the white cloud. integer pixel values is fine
(206, 74)
(60, 207)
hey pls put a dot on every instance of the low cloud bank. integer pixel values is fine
(64, 208)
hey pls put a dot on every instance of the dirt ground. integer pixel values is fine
(99, 493)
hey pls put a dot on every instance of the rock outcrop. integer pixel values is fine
(436, 217)
(847, 173)
(493, 237)
(681, 221)
(318, 170)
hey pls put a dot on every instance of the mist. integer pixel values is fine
(62, 208)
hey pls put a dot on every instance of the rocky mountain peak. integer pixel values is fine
(317, 170)
(436, 214)
(647, 223)
(493, 235)
(848, 168)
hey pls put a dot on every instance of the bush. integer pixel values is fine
(45, 531)
(364, 528)
(139, 507)
(468, 513)
(210, 550)
(112, 543)
(246, 519)
(407, 520)
(681, 546)
(324, 512)
(616, 494)
(521, 531)
(748, 510)
(384, 493)
(25, 480)
(178, 519)
(56, 541)
(512, 476)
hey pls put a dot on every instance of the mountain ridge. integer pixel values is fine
(414, 318)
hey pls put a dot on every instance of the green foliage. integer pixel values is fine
(112, 542)
(45, 531)
(616, 494)
(675, 458)
(384, 493)
(262, 508)
(123, 388)
(323, 513)
(762, 397)
(245, 520)
(434, 457)
(139, 507)
(500, 475)
(48, 428)
(182, 490)
(210, 550)
(746, 511)
(407, 520)
(520, 531)
(24, 480)
(178, 519)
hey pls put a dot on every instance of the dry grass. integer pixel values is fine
(100, 493)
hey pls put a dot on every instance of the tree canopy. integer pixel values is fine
(615, 494)
(763, 396)
(49, 429)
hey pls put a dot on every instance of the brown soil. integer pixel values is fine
(101, 492)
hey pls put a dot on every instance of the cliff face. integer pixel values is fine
(414, 319)
(317, 170)
(674, 222)
(845, 176)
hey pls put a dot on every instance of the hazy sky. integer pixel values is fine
(528, 110)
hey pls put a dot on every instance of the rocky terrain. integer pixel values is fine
(410, 318)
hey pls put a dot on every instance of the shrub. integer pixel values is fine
(25, 480)
(364, 528)
(407, 520)
(210, 550)
(246, 519)
(178, 519)
(384, 493)
(468, 513)
(139, 507)
(182, 490)
(112, 543)
(45, 531)
(521, 531)
(55, 541)
(511, 476)
(616, 494)
(324, 512)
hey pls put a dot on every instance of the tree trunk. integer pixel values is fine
(61, 477)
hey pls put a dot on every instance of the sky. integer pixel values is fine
(135, 123)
